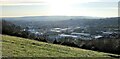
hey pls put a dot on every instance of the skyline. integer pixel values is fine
(96, 8)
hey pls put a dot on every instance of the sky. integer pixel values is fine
(95, 8)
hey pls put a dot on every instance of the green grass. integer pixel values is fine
(21, 47)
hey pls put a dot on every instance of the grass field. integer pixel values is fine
(21, 47)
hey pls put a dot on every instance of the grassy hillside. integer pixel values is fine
(21, 47)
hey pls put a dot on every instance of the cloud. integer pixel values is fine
(30, 2)
(22, 1)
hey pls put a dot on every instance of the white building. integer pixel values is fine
(84, 36)
(80, 34)
(65, 35)
(98, 37)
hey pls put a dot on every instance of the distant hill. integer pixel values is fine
(48, 18)
(65, 21)
(21, 47)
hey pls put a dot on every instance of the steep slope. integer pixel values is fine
(21, 47)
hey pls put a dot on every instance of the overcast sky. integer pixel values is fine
(19, 8)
